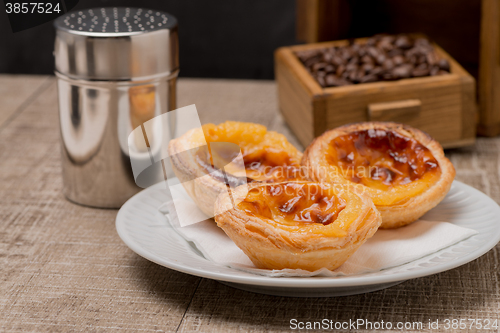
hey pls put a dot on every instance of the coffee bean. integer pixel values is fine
(330, 80)
(337, 61)
(330, 69)
(403, 42)
(422, 59)
(320, 73)
(389, 77)
(395, 52)
(388, 64)
(382, 57)
(321, 81)
(422, 42)
(371, 41)
(346, 54)
(373, 52)
(362, 51)
(353, 77)
(398, 60)
(369, 78)
(306, 55)
(351, 67)
(327, 57)
(444, 65)
(376, 71)
(311, 61)
(423, 66)
(367, 67)
(340, 70)
(387, 39)
(434, 70)
(366, 59)
(333, 81)
(354, 60)
(432, 58)
(318, 66)
(413, 52)
(420, 71)
(402, 71)
(385, 45)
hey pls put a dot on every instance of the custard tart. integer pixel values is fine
(197, 160)
(297, 225)
(401, 168)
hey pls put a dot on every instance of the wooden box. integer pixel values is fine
(443, 106)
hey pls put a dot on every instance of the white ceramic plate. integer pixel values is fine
(141, 227)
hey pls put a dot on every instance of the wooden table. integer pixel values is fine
(64, 268)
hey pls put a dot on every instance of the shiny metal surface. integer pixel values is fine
(107, 44)
(109, 82)
(96, 119)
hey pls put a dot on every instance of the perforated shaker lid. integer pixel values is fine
(116, 44)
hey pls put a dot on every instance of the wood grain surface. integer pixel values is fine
(63, 267)
(489, 69)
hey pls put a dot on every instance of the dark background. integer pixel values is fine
(237, 38)
(218, 38)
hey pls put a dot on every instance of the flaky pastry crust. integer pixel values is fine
(202, 187)
(308, 246)
(400, 213)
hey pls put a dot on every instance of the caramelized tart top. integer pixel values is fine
(292, 203)
(385, 162)
(267, 155)
(304, 207)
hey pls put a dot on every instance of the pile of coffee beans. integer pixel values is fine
(380, 58)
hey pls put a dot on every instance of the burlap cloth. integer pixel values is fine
(63, 267)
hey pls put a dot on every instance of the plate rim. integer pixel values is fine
(304, 282)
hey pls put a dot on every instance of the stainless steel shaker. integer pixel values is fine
(116, 68)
